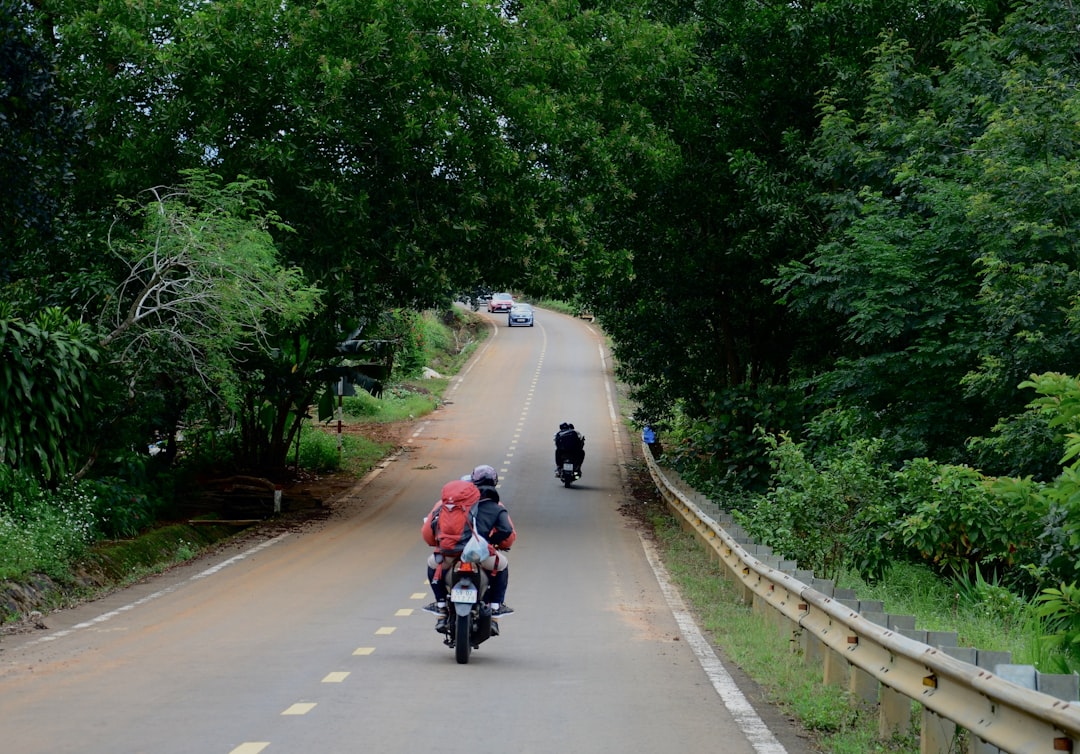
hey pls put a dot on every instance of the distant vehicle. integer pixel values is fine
(521, 314)
(500, 302)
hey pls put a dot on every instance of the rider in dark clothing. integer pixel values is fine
(569, 446)
(492, 517)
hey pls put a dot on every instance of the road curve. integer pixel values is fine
(313, 640)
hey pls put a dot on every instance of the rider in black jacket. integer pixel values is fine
(569, 446)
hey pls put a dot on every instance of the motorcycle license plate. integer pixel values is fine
(463, 594)
(568, 467)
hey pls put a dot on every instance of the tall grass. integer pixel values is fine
(983, 615)
(324, 452)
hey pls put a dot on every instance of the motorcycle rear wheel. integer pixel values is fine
(462, 640)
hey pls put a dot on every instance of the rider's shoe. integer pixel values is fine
(503, 609)
(434, 609)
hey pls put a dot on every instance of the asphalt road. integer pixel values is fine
(313, 641)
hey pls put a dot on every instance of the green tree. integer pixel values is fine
(948, 259)
(204, 295)
(399, 144)
(38, 130)
(684, 283)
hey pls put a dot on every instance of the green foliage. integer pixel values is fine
(47, 391)
(319, 450)
(1024, 444)
(1053, 554)
(724, 444)
(816, 513)
(397, 403)
(196, 323)
(1060, 607)
(988, 596)
(121, 509)
(954, 521)
(360, 406)
(42, 531)
(38, 130)
(949, 259)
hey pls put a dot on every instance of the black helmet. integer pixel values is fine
(569, 426)
(564, 426)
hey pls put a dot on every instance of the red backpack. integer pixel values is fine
(451, 520)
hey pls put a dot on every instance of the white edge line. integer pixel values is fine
(160, 593)
(751, 725)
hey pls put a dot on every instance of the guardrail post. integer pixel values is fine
(938, 734)
(862, 685)
(812, 649)
(836, 671)
(894, 713)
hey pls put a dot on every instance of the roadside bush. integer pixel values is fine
(318, 450)
(396, 403)
(956, 523)
(42, 531)
(120, 509)
(360, 406)
(1060, 607)
(815, 515)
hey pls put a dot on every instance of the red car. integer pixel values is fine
(500, 302)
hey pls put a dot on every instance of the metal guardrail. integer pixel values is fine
(879, 663)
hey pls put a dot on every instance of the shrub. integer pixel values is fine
(956, 522)
(816, 514)
(725, 444)
(42, 530)
(318, 450)
(361, 405)
(1060, 607)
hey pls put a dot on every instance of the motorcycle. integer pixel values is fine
(568, 474)
(469, 623)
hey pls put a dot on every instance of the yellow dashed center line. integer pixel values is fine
(363, 651)
(336, 677)
(403, 612)
(300, 708)
(385, 631)
(250, 747)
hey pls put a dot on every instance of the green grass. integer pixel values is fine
(405, 401)
(985, 616)
(320, 451)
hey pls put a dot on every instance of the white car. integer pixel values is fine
(520, 314)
